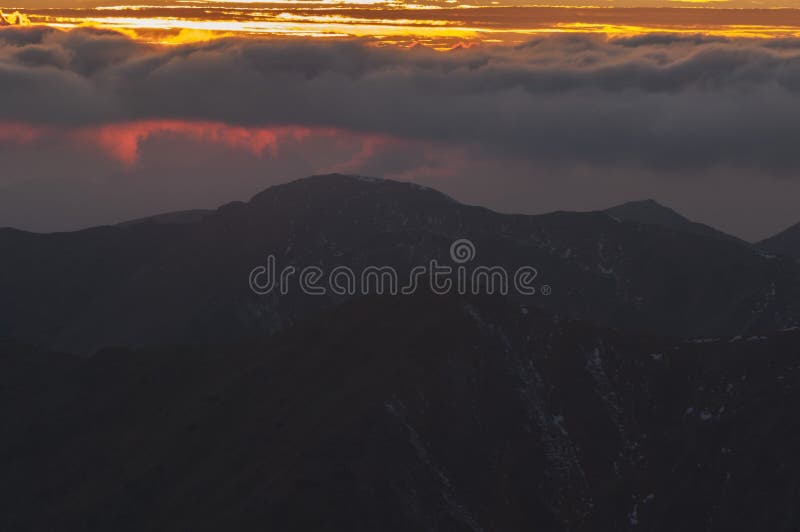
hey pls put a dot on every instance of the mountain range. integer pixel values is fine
(184, 278)
(145, 386)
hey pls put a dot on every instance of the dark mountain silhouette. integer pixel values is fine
(651, 212)
(418, 413)
(649, 391)
(177, 217)
(786, 243)
(152, 283)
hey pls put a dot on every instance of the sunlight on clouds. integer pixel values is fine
(15, 19)
(438, 24)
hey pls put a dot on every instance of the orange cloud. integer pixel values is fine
(122, 141)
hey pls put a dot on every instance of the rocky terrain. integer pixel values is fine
(424, 413)
(144, 386)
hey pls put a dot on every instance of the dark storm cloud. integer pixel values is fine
(658, 101)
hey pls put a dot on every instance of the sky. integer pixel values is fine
(438, 23)
(114, 114)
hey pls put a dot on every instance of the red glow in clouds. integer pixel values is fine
(122, 141)
(12, 133)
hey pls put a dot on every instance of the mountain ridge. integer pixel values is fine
(646, 211)
(649, 211)
(151, 283)
(786, 243)
(647, 391)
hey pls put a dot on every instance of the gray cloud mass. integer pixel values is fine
(664, 102)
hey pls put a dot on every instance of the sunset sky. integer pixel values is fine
(434, 22)
(113, 111)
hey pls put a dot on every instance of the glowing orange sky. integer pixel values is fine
(439, 23)
(764, 4)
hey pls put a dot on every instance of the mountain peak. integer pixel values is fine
(648, 202)
(335, 176)
(330, 187)
(649, 211)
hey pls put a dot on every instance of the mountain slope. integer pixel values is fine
(151, 284)
(786, 243)
(427, 412)
(177, 217)
(653, 213)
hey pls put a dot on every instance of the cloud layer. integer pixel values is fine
(707, 125)
(657, 101)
